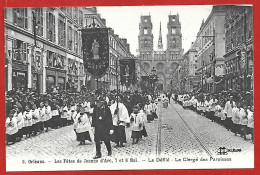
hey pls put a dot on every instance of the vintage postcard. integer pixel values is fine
(129, 87)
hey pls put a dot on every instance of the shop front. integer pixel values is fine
(239, 68)
(55, 78)
(19, 76)
(55, 70)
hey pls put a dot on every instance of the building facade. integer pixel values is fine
(210, 47)
(190, 80)
(239, 48)
(165, 62)
(53, 58)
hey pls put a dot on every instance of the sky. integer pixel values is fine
(125, 21)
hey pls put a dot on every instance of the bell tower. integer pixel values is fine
(145, 38)
(174, 37)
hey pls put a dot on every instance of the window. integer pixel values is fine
(20, 17)
(145, 31)
(20, 50)
(173, 19)
(81, 18)
(38, 21)
(173, 44)
(174, 30)
(69, 65)
(50, 20)
(69, 36)
(76, 44)
(50, 59)
(61, 83)
(75, 13)
(60, 61)
(79, 43)
(234, 36)
(50, 83)
(62, 31)
(145, 20)
(172, 56)
(145, 56)
(145, 43)
(69, 11)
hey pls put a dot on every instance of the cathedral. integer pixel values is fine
(164, 61)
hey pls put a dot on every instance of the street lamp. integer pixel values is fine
(153, 79)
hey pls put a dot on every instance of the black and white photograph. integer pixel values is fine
(129, 87)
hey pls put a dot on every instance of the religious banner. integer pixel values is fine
(95, 51)
(127, 71)
(145, 85)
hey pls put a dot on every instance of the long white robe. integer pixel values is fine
(28, 118)
(41, 114)
(135, 124)
(20, 120)
(83, 123)
(35, 116)
(228, 109)
(122, 114)
(159, 109)
(11, 126)
(48, 114)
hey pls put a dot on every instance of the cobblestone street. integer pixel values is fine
(183, 134)
(62, 143)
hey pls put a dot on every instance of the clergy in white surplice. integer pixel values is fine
(120, 118)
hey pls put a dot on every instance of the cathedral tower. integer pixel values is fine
(174, 38)
(145, 38)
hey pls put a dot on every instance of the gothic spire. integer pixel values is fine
(160, 44)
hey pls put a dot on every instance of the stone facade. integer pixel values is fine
(164, 61)
(210, 45)
(239, 48)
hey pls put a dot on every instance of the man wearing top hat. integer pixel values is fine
(103, 126)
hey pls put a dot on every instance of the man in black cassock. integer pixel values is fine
(103, 126)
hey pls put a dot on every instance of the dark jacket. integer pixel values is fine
(102, 121)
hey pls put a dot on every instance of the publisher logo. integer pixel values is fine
(225, 151)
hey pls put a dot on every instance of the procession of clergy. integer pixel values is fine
(102, 119)
(230, 109)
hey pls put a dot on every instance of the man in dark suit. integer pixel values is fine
(103, 126)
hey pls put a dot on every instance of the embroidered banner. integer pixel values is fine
(127, 71)
(95, 47)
